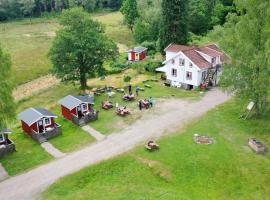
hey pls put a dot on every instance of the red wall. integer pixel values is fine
(143, 55)
(133, 56)
(28, 129)
(68, 113)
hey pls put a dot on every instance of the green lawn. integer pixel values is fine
(182, 169)
(28, 42)
(29, 154)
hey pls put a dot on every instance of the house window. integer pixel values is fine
(204, 75)
(173, 61)
(181, 62)
(84, 107)
(1, 138)
(189, 76)
(190, 64)
(174, 72)
(213, 60)
(47, 121)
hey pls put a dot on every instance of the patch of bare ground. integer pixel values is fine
(28, 89)
(157, 167)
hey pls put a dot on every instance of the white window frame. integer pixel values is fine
(187, 77)
(3, 137)
(190, 65)
(49, 121)
(174, 74)
(82, 107)
(181, 62)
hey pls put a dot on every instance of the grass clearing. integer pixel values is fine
(28, 41)
(29, 154)
(182, 169)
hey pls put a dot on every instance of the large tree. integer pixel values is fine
(174, 27)
(246, 38)
(7, 107)
(130, 11)
(80, 48)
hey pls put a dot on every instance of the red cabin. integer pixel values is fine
(78, 109)
(39, 123)
(137, 54)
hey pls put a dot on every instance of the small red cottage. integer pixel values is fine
(78, 109)
(137, 53)
(39, 124)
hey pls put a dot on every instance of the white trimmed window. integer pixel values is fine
(2, 138)
(47, 121)
(84, 107)
(181, 62)
(214, 60)
(190, 64)
(173, 61)
(189, 76)
(174, 72)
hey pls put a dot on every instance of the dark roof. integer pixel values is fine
(138, 49)
(32, 115)
(71, 101)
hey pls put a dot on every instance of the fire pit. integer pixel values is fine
(202, 139)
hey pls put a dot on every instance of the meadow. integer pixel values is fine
(182, 169)
(29, 40)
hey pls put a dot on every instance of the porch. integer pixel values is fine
(47, 134)
(7, 148)
(84, 119)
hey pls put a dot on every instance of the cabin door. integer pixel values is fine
(137, 56)
(79, 109)
(40, 126)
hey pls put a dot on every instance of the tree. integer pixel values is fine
(80, 48)
(246, 38)
(27, 7)
(174, 26)
(130, 11)
(7, 106)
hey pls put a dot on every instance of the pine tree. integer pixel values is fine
(7, 106)
(174, 26)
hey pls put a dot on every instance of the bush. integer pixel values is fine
(152, 65)
(127, 78)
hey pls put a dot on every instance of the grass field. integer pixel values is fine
(181, 169)
(28, 42)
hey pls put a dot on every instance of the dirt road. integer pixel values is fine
(173, 114)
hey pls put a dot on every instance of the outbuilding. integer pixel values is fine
(78, 109)
(39, 123)
(7, 146)
(137, 53)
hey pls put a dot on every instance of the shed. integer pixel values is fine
(76, 106)
(137, 53)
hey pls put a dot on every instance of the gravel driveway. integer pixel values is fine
(171, 115)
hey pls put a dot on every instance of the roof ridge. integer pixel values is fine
(34, 109)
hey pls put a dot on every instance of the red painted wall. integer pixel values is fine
(133, 56)
(68, 113)
(143, 55)
(28, 129)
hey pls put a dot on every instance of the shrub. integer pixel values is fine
(127, 78)
(152, 65)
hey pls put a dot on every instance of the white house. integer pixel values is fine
(192, 66)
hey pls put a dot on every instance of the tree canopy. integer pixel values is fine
(174, 27)
(80, 48)
(7, 106)
(130, 11)
(246, 38)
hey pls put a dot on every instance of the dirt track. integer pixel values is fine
(169, 116)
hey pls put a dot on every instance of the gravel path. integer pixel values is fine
(52, 150)
(170, 116)
(94, 133)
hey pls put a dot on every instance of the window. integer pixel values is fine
(190, 64)
(181, 62)
(214, 60)
(173, 61)
(189, 76)
(204, 75)
(84, 107)
(1, 137)
(174, 72)
(47, 121)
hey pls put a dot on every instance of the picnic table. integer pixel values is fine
(106, 105)
(122, 111)
(128, 97)
(151, 145)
